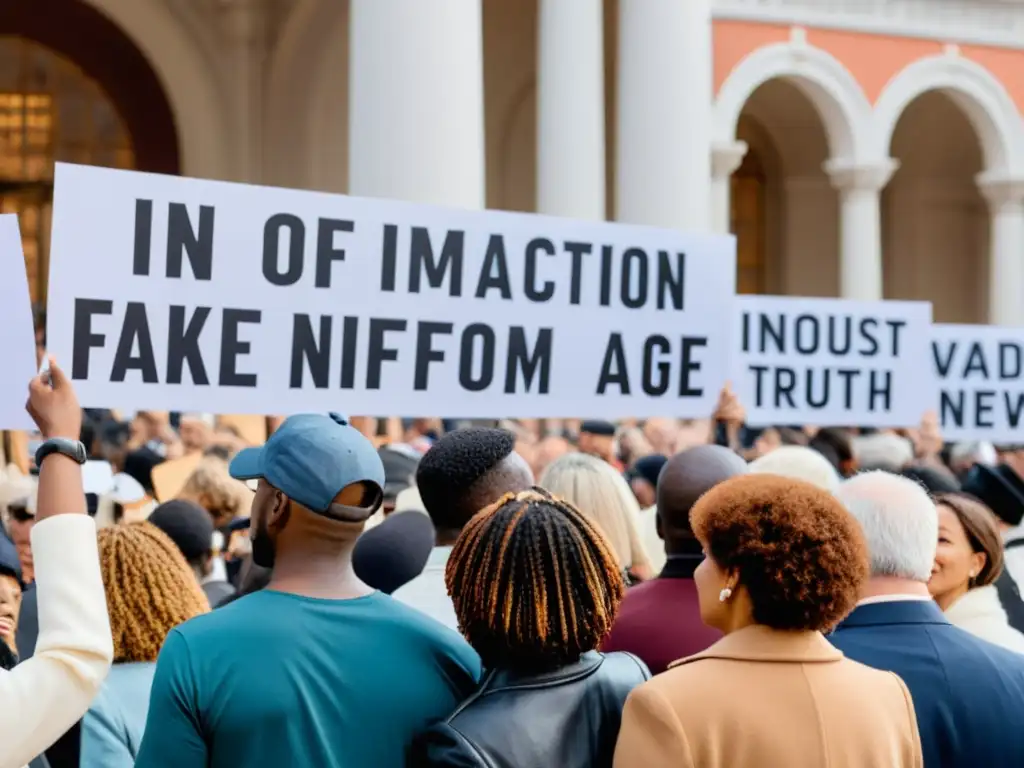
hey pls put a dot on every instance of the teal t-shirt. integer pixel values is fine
(275, 679)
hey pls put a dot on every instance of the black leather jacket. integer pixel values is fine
(566, 718)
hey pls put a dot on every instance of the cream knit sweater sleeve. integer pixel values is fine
(45, 695)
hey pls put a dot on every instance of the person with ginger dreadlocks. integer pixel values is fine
(150, 590)
(535, 588)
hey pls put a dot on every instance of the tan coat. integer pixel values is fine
(759, 698)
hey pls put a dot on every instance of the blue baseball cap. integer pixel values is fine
(311, 458)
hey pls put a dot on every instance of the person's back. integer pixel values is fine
(571, 699)
(535, 587)
(967, 692)
(282, 679)
(659, 620)
(318, 669)
(802, 706)
(112, 728)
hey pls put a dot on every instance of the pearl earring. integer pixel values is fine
(724, 595)
(971, 574)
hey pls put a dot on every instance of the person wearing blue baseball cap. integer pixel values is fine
(317, 668)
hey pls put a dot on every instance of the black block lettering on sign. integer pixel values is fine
(183, 345)
(1009, 360)
(349, 336)
(425, 352)
(1014, 409)
(951, 408)
(613, 368)
(880, 391)
(606, 276)
(291, 227)
(378, 353)
(942, 364)
(896, 326)
(868, 326)
(143, 236)
(468, 357)
(976, 362)
(671, 280)
(494, 272)
(530, 288)
(310, 349)
(231, 347)
(421, 259)
(688, 366)
(182, 240)
(633, 281)
(656, 345)
(83, 337)
(327, 251)
(577, 251)
(520, 359)
(389, 258)
(135, 333)
(983, 408)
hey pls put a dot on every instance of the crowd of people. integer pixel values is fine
(372, 592)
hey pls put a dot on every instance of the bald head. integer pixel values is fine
(899, 521)
(685, 478)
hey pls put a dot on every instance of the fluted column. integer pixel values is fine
(1006, 249)
(570, 109)
(416, 108)
(860, 226)
(664, 114)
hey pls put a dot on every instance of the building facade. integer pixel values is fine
(858, 148)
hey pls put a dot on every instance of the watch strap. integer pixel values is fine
(73, 449)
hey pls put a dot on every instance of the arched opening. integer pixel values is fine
(73, 88)
(784, 211)
(935, 222)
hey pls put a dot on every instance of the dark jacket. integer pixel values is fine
(567, 718)
(968, 694)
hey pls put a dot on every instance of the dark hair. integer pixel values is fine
(454, 464)
(533, 582)
(188, 525)
(800, 555)
(979, 524)
(835, 445)
(933, 480)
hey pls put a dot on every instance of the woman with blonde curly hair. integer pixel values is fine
(150, 590)
(784, 563)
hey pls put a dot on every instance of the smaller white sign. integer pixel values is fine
(980, 370)
(17, 342)
(833, 362)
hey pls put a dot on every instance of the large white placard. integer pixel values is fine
(183, 294)
(833, 362)
(17, 341)
(980, 370)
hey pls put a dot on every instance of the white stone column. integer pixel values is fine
(1006, 249)
(664, 114)
(245, 25)
(860, 226)
(725, 159)
(416, 106)
(570, 109)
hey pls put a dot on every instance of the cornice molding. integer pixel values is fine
(998, 23)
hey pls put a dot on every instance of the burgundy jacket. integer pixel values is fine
(659, 620)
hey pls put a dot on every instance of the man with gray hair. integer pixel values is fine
(967, 693)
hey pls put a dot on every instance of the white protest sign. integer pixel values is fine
(980, 370)
(832, 361)
(18, 339)
(172, 293)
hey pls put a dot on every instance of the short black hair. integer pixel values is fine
(455, 463)
(188, 525)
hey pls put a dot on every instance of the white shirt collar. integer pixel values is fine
(891, 599)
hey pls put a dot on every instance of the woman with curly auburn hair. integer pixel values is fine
(784, 563)
(535, 588)
(150, 590)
